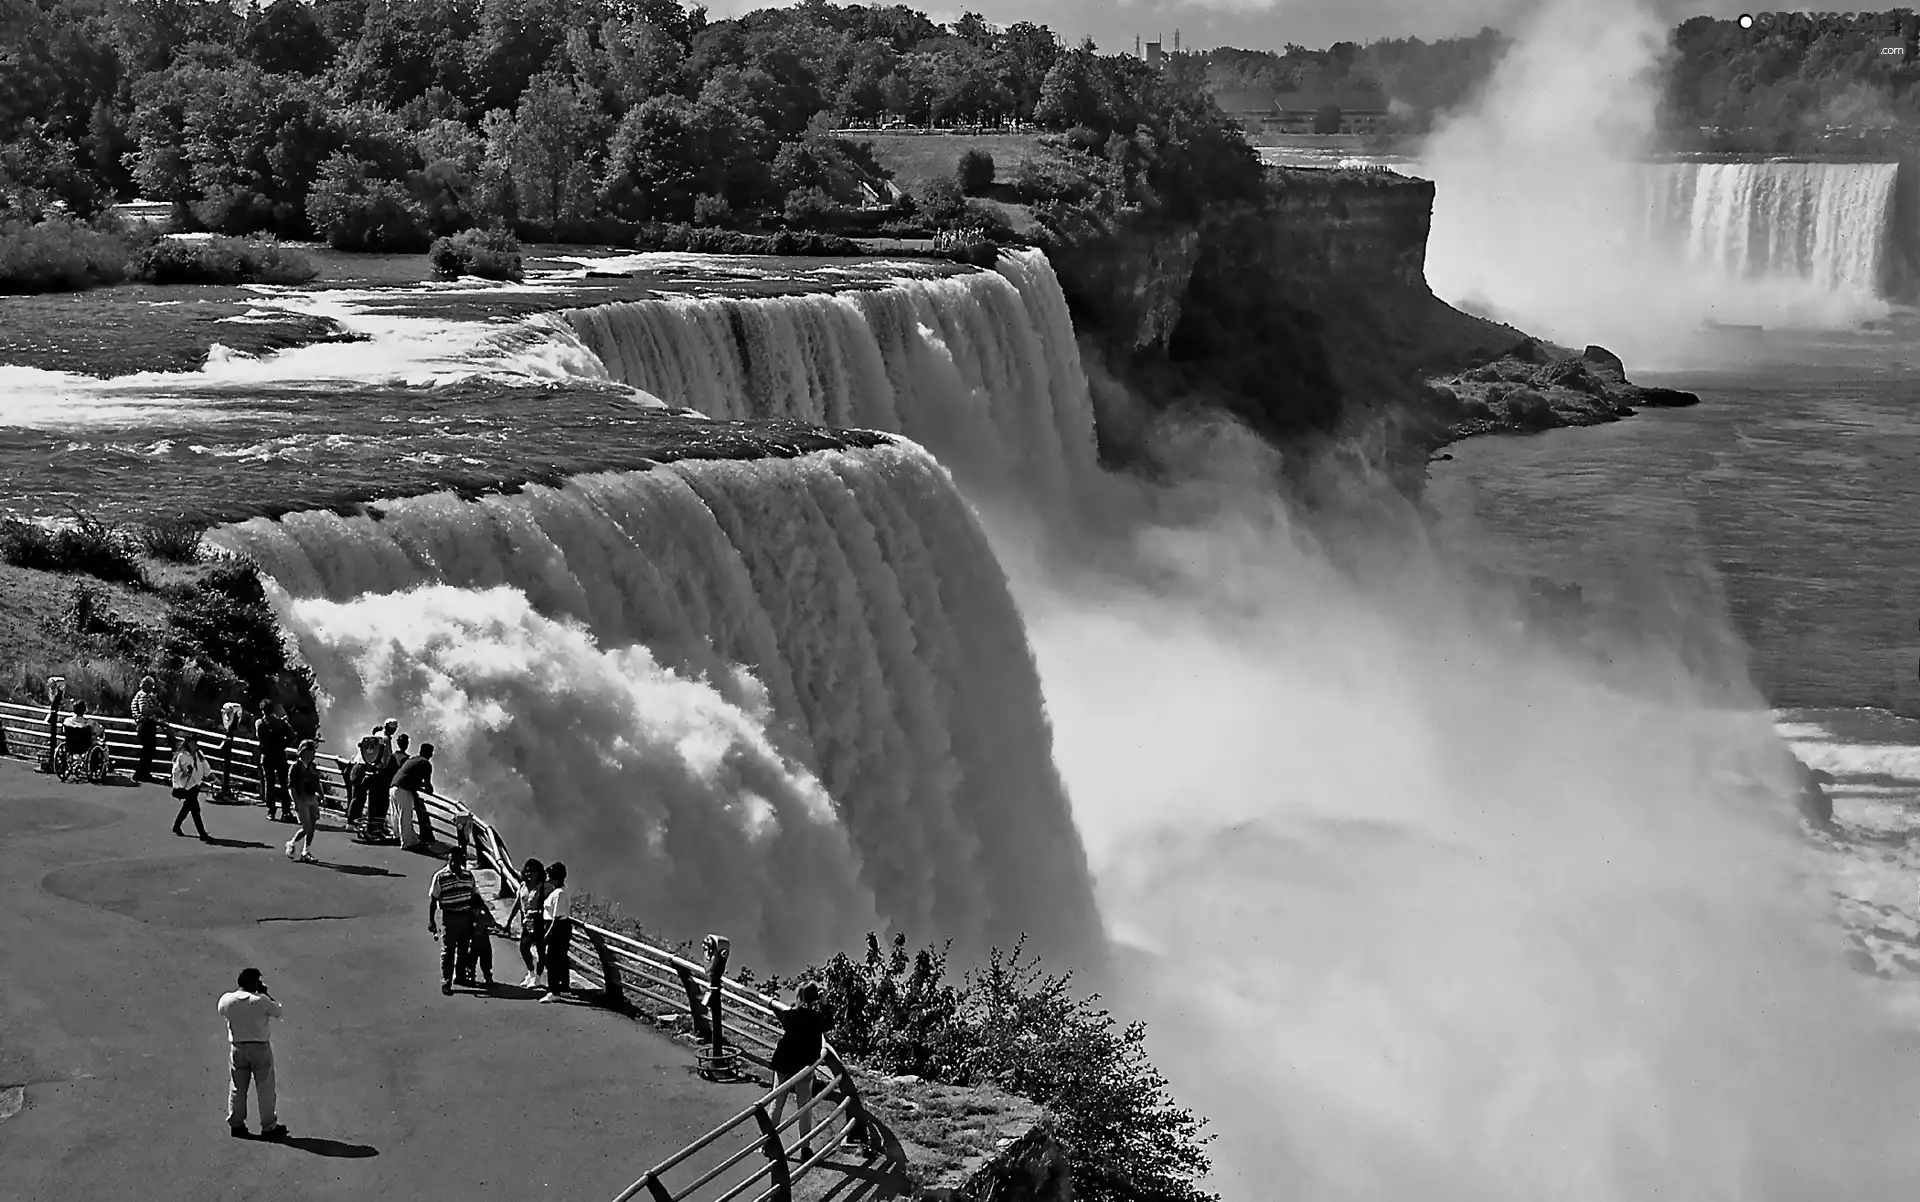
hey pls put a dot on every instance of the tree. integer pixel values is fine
(1067, 96)
(551, 154)
(355, 210)
(975, 171)
(669, 151)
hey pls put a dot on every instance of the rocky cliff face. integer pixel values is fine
(1308, 317)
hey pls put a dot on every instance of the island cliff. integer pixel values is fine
(1307, 316)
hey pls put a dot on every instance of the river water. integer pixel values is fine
(1784, 509)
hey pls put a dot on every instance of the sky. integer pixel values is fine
(1263, 24)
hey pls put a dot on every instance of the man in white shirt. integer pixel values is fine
(247, 1010)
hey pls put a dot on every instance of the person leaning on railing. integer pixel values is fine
(414, 778)
(803, 1034)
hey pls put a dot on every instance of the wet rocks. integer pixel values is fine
(1537, 386)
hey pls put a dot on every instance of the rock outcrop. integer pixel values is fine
(1535, 386)
(1308, 317)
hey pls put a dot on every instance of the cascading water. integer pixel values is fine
(980, 368)
(1829, 225)
(665, 675)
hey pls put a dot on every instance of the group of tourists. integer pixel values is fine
(546, 926)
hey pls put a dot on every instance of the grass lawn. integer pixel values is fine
(915, 157)
(39, 642)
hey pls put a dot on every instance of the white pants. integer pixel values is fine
(402, 806)
(252, 1063)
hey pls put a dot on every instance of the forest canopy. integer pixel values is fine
(383, 125)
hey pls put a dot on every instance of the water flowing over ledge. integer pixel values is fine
(666, 673)
(980, 368)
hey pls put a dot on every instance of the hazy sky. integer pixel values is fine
(1259, 24)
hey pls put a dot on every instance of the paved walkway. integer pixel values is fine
(116, 939)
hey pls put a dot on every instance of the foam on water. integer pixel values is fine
(846, 602)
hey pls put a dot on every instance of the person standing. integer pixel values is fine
(802, 1030)
(374, 751)
(402, 815)
(146, 718)
(558, 955)
(457, 896)
(230, 716)
(248, 1010)
(274, 735)
(413, 779)
(303, 782)
(190, 771)
(533, 919)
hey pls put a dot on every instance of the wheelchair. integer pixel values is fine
(82, 755)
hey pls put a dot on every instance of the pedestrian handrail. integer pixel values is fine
(754, 1130)
(612, 962)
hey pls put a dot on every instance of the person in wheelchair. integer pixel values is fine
(83, 748)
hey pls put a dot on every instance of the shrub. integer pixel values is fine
(220, 261)
(939, 200)
(1015, 1025)
(711, 210)
(491, 254)
(222, 620)
(175, 541)
(83, 545)
(811, 209)
(58, 255)
(356, 211)
(974, 172)
(696, 240)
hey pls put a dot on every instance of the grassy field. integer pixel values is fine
(915, 157)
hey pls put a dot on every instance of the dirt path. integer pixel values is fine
(116, 939)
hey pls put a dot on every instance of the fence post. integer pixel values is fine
(660, 1192)
(694, 1007)
(718, 948)
(782, 1175)
(856, 1109)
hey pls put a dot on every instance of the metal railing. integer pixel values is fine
(743, 1024)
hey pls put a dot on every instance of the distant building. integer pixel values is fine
(1360, 112)
(1153, 54)
(1254, 108)
(1263, 111)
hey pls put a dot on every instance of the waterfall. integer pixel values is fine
(1829, 225)
(780, 698)
(979, 367)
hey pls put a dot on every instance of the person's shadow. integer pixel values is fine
(216, 842)
(357, 869)
(328, 1147)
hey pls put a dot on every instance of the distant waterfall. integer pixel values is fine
(1825, 224)
(777, 698)
(981, 367)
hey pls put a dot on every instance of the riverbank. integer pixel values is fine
(126, 329)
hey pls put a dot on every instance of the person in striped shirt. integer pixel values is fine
(459, 902)
(146, 717)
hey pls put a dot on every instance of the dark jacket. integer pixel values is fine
(416, 775)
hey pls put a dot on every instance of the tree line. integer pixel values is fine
(381, 124)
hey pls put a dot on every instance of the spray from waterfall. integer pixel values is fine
(844, 605)
(1544, 202)
(1419, 904)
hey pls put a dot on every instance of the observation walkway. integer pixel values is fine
(116, 939)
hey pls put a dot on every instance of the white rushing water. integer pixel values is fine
(1418, 904)
(610, 667)
(1828, 225)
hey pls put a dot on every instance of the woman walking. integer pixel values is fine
(533, 921)
(190, 771)
(303, 782)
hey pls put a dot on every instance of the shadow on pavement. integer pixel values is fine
(219, 842)
(329, 1147)
(358, 869)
